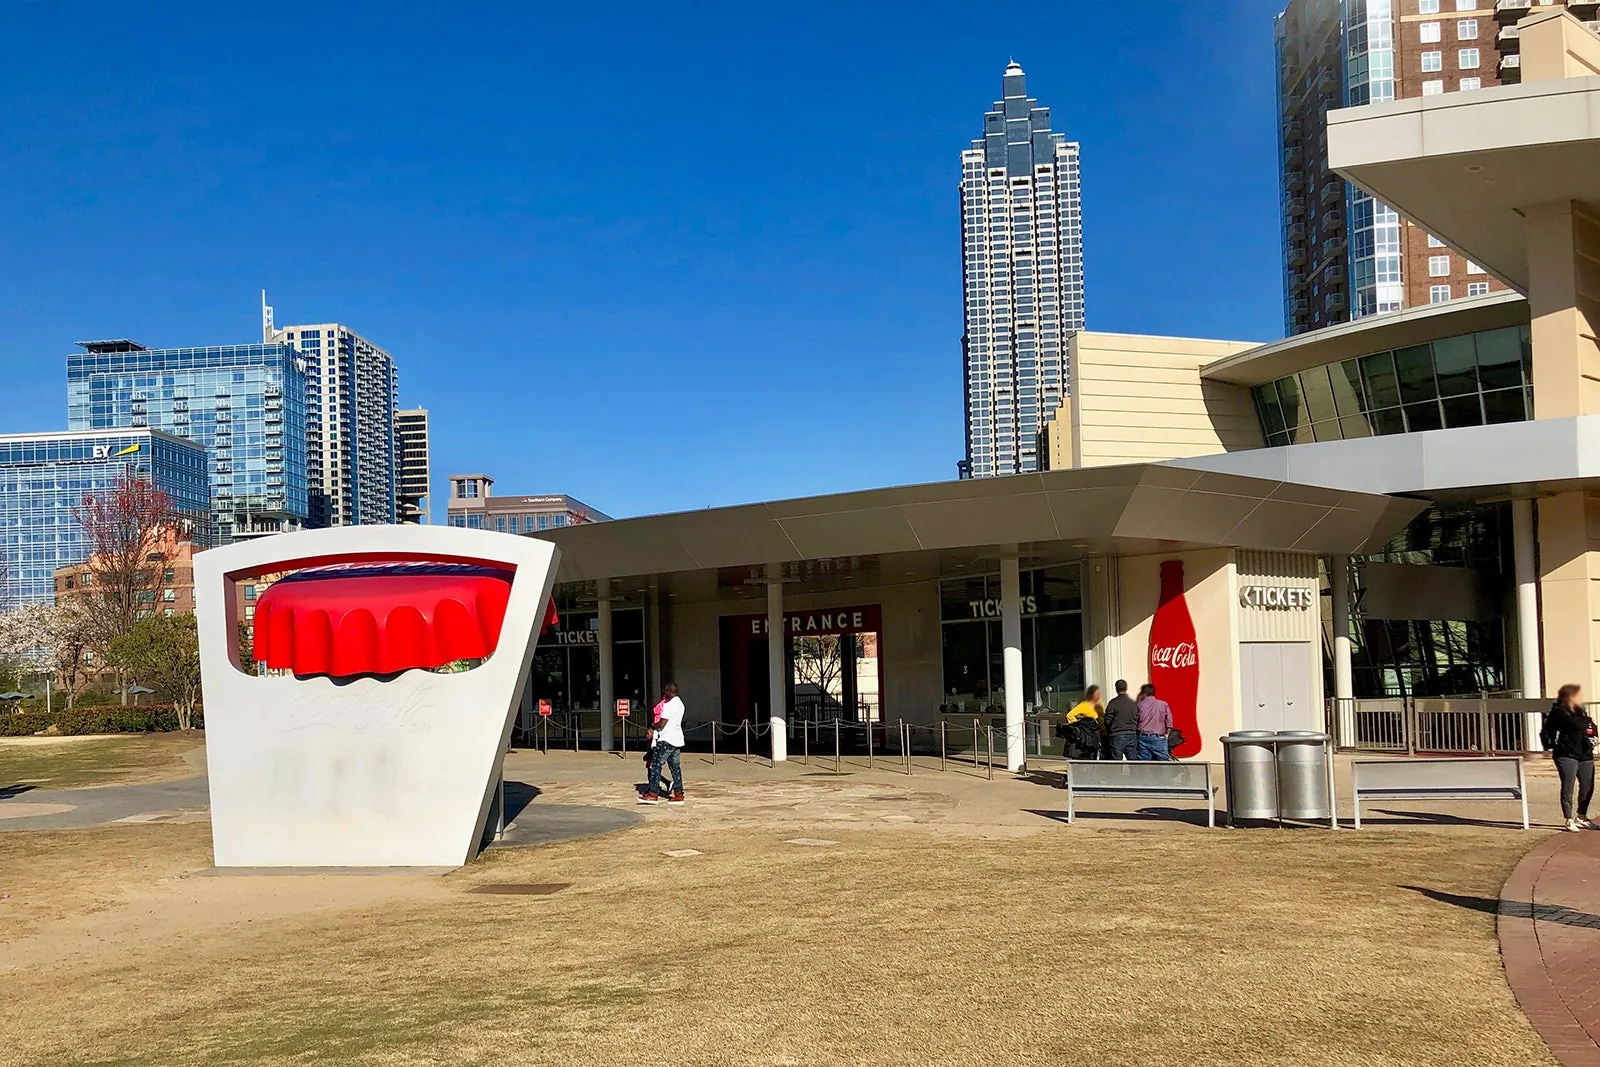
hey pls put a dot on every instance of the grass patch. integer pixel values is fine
(1081, 947)
(74, 763)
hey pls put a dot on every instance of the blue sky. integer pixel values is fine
(656, 256)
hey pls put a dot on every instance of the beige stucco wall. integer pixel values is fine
(1554, 45)
(1211, 591)
(1056, 448)
(1139, 399)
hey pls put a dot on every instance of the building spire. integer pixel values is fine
(266, 320)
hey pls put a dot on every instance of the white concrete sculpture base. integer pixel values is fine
(368, 771)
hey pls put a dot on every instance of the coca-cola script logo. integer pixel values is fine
(1182, 654)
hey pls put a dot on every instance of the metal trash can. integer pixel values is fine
(1250, 768)
(1303, 775)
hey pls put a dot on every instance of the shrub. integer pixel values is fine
(95, 720)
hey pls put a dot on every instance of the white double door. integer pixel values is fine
(1277, 684)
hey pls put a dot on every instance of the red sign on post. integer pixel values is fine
(544, 708)
(623, 709)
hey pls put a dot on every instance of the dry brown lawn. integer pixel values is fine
(77, 762)
(1090, 946)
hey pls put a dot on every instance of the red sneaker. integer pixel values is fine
(649, 798)
(676, 798)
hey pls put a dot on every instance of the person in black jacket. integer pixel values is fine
(1122, 725)
(1569, 736)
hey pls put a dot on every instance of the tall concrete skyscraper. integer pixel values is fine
(1022, 274)
(411, 434)
(1346, 255)
(352, 460)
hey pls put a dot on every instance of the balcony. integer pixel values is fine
(1297, 232)
(1332, 221)
(1295, 206)
(1291, 132)
(1511, 69)
(1293, 158)
(1332, 247)
(1512, 10)
(1333, 302)
(1584, 9)
(1297, 256)
(1299, 305)
(1509, 39)
(1332, 192)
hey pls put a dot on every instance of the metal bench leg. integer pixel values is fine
(1211, 810)
(1522, 780)
(1355, 803)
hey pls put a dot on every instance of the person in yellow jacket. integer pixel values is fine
(1089, 707)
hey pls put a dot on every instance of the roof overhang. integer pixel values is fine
(1125, 510)
(1373, 333)
(1473, 463)
(1466, 165)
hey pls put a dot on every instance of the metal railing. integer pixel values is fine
(1485, 724)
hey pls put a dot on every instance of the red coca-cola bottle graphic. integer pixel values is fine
(1175, 657)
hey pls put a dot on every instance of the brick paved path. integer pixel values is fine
(1549, 923)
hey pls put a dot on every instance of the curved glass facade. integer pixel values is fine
(1469, 380)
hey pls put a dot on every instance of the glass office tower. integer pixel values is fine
(44, 476)
(1022, 276)
(244, 404)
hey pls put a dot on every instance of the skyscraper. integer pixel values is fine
(352, 466)
(44, 476)
(1345, 254)
(411, 433)
(244, 404)
(1022, 277)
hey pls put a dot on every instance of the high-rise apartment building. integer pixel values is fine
(411, 434)
(1346, 255)
(45, 476)
(244, 404)
(1022, 278)
(352, 466)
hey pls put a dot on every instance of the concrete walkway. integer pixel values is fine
(1549, 923)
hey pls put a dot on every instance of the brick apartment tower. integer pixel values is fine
(1346, 255)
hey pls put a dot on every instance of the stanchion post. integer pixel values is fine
(869, 744)
(747, 740)
(572, 728)
(991, 753)
(806, 729)
(942, 725)
(977, 735)
(905, 743)
(714, 727)
(836, 768)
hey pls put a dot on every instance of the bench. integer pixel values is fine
(1152, 780)
(1466, 778)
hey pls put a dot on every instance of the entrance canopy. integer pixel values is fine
(1053, 515)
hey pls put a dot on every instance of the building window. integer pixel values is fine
(1477, 288)
(1466, 29)
(1466, 5)
(1434, 242)
(1467, 59)
(1433, 87)
(1432, 61)
(1429, 32)
(1469, 84)
(1438, 266)
(249, 592)
(1438, 294)
(169, 595)
(1428, 7)
(1473, 268)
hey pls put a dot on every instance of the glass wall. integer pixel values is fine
(1052, 641)
(1436, 657)
(1469, 380)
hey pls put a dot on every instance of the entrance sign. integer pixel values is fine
(544, 708)
(356, 754)
(623, 709)
(1277, 597)
(1175, 657)
(866, 618)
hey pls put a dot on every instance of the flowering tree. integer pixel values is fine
(164, 653)
(130, 531)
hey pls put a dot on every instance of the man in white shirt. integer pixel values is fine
(668, 736)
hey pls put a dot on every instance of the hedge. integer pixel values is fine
(97, 720)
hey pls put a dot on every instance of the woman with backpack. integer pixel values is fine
(1570, 737)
